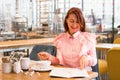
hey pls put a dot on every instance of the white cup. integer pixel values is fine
(7, 67)
(45, 64)
(17, 67)
(25, 62)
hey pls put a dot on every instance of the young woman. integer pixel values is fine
(75, 47)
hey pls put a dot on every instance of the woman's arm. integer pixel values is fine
(47, 56)
(53, 59)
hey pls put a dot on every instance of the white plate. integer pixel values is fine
(36, 68)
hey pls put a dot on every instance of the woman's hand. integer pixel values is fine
(43, 55)
(83, 62)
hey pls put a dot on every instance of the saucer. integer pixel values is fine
(37, 68)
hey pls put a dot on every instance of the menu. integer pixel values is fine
(68, 72)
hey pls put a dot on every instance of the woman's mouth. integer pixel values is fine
(74, 27)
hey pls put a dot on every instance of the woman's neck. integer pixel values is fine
(70, 33)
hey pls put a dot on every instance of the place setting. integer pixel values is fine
(42, 65)
(17, 63)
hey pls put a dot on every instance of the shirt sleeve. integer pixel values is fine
(92, 58)
(58, 44)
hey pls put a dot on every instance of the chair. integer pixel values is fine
(39, 48)
(116, 41)
(113, 60)
(102, 66)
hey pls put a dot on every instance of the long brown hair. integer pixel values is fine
(79, 17)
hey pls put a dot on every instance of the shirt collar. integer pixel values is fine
(74, 35)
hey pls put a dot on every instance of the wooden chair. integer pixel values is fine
(102, 66)
(116, 41)
(113, 60)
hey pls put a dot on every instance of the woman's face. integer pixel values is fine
(73, 24)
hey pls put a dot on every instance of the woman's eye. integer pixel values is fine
(71, 21)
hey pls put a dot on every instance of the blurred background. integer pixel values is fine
(26, 19)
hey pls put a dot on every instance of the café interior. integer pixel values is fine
(32, 20)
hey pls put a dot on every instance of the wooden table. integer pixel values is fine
(102, 49)
(106, 46)
(42, 76)
(23, 44)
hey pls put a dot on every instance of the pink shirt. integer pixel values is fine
(70, 49)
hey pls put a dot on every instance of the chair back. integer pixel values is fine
(116, 41)
(39, 48)
(113, 60)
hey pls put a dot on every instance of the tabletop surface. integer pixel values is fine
(106, 46)
(42, 76)
(27, 42)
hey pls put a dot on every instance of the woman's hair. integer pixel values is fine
(80, 18)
